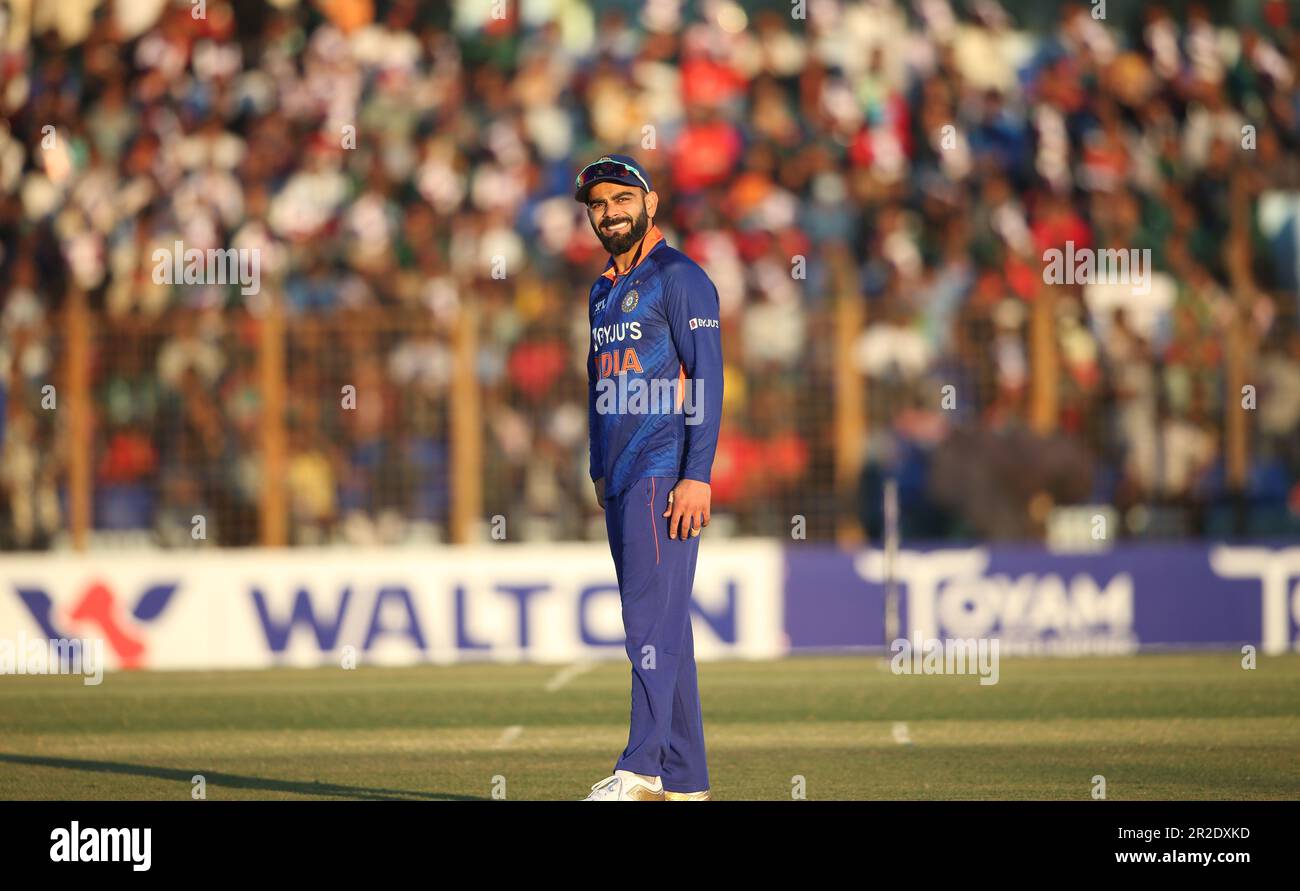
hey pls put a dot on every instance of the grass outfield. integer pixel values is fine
(1170, 726)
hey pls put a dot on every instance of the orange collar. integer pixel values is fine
(652, 238)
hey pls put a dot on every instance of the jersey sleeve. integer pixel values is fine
(597, 469)
(692, 307)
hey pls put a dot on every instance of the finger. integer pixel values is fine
(708, 515)
(669, 511)
(678, 523)
(688, 522)
(694, 533)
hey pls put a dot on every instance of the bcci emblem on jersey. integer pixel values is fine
(629, 302)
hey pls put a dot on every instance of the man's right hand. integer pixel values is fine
(600, 492)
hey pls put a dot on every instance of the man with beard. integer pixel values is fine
(654, 333)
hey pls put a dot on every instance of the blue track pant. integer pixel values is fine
(655, 577)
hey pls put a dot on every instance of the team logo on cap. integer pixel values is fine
(629, 302)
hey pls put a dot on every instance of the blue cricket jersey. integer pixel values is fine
(654, 369)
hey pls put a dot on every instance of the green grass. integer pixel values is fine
(1171, 726)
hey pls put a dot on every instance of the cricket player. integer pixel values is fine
(655, 375)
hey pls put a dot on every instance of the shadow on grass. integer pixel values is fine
(234, 781)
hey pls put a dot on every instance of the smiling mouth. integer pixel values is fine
(625, 224)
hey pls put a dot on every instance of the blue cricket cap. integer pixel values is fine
(610, 169)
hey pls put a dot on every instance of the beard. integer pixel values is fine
(622, 242)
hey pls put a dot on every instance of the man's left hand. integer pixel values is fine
(688, 508)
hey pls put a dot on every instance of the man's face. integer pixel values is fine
(620, 215)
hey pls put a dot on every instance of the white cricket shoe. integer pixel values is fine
(627, 786)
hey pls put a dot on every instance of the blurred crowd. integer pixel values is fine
(397, 162)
